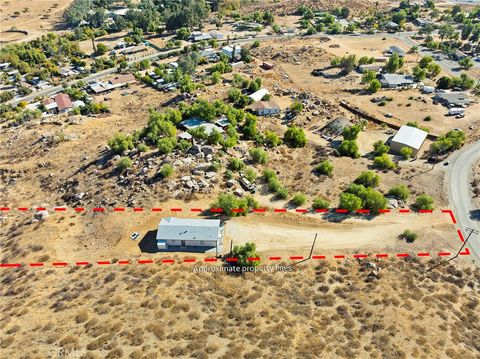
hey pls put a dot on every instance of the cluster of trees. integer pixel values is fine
(394, 63)
(451, 141)
(147, 15)
(465, 82)
(295, 137)
(349, 146)
(361, 195)
(274, 184)
(41, 57)
(427, 67)
(228, 202)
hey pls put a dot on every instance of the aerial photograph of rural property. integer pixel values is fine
(239, 179)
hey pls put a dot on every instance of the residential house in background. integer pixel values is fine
(230, 49)
(393, 81)
(259, 95)
(453, 99)
(263, 108)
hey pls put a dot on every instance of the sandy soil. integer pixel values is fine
(40, 17)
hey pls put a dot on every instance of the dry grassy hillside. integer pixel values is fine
(334, 310)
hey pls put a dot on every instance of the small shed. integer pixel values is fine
(408, 136)
(187, 234)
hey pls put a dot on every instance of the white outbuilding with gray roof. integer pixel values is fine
(196, 235)
(408, 136)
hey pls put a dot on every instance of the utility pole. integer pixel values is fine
(470, 232)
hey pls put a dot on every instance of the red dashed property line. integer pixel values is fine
(175, 209)
(4, 209)
(452, 216)
(156, 210)
(233, 259)
(196, 210)
(460, 235)
(119, 209)
(403, 211)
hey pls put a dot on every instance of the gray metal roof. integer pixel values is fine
(188, 229)
(396, 79)
(410, 136)
(454, 97)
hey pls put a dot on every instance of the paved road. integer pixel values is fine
(52, 90)
(460, 194)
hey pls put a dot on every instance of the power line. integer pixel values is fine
(470, 232)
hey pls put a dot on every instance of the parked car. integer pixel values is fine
(134, 236)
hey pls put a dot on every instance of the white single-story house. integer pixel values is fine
(408, 136)
(196, 235)
(395, 50)
(263, 108)
(229, 49)
(453, 99)
(258, 95)
(396, 80)
(200, 36)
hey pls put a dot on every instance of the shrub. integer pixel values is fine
(406, 153)
(299, 199)
(250, 174)
(166, 145)
(123, 164)
(409, 236)
(228, 202)
(351, 133)
(320, 203)
(424, 202)
(274, 184)
(258, 155)
(142, 147)
(324, 168)
(296, 107)
(120, 143)
(428, 118)
(268, 174)
(350, 202)
(282, 193)
(399, 192)
(452, 140)
(272, 139)
(349, 148)
(166, 170)
(236, 164)
(383, 162)
(374, 86)
(295, 137)
(243, 253)
(379, 148)
(368, 179)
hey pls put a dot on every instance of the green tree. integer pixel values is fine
(166, 145)
(282, 193)
(296, 107)
(324, 168)
(406, 153)
(216, 77)
(123, 164)
(271, 139)
(374, 86)
(320, 203)
(295, 137)
(399, 192)
(424, 202)
(395, 62)
(349, 148)
(244, 254)
(102, 49)
(466, 63)
(351, 132)
(120, 143)
(379, 148)
(350, 202)
(368, 179)
(368, 76)
(299, 199)
(258, 155)
(166, 170)
(383, 162)
(236, 164)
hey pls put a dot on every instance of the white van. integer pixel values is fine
(428, 89)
